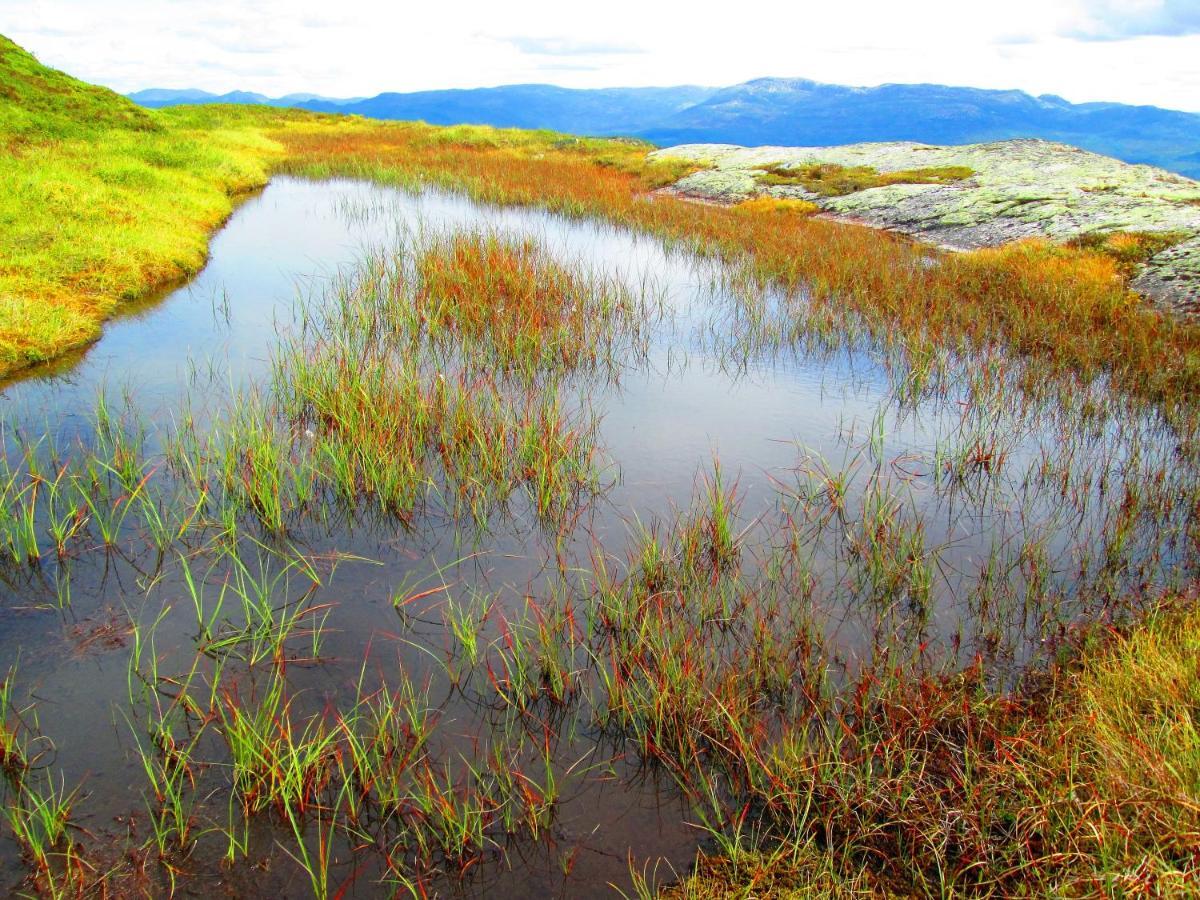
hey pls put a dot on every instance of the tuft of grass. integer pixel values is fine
(531, 310)
(832, 180)
(767, 205)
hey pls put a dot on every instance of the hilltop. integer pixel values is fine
(41, 103)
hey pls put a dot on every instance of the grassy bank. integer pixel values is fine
(102, 202)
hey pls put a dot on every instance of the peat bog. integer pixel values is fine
(322, 576)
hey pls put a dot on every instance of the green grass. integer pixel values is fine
(41, 103)
(101, 201)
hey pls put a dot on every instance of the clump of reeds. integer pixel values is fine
(531, 311)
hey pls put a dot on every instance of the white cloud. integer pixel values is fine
(356, 47)
(567, 46)
(1110, 20)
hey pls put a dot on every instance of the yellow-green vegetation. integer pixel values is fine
(1131, 739)
(101, 201)
(832, 180)
(40, 103)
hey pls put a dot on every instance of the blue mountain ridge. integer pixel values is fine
(779, 111)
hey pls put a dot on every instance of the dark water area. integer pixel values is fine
(1014, 497)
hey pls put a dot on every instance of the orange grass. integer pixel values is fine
(512, 295)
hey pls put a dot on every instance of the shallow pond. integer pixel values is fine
(947, 508)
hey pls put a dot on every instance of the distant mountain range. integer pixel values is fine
(780, 111)
(156, 98)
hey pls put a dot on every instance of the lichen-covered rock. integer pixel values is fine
(1173, 277)
(1019, 189)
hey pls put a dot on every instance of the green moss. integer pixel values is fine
(831, 180)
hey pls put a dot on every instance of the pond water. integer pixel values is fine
(1026, 506)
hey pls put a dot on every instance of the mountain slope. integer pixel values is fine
(781, 111)
(158, 98)
(606, 111)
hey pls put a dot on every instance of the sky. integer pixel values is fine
(1132, 51)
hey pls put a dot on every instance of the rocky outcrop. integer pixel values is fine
(1019, 189)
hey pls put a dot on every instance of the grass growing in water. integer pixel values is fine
(1067, 307)
(531, 310)
(704, 663)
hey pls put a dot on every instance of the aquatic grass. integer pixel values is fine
(268, 615)
(531, 311)
(20, 516)
(1067, 307)
(386, 740)
(276, 762)
(171, 782)
(39, 816)
(387, 415)
(14, 743)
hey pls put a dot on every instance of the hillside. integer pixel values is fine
(783, 112)
(102, 201)
(42, 103)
